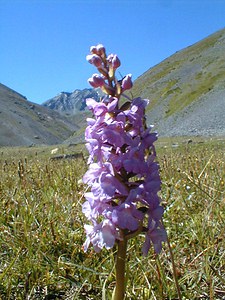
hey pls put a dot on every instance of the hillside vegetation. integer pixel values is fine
(187, 90)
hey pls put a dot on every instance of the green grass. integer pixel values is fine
(186, 94)
(41, 228)
(183, 78)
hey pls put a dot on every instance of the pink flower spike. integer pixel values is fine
(123, 174)
(127, 82)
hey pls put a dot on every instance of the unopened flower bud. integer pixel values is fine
(100, 49)
(93, 50)
(96, 81)
(127, 82)
(94, 59)
(113, 61)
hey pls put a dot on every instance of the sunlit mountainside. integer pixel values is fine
(187, 90)
(25, 123)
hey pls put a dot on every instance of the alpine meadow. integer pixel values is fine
(77, 186)
(42, 231)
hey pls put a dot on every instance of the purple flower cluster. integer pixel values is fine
(123, 174)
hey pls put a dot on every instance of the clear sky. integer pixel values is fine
(44, 43)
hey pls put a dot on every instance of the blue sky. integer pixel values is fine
(43, 43)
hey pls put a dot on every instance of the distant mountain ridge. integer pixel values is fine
(72, 103)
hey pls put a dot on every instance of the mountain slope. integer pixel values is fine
(25, 123)
(187, 90)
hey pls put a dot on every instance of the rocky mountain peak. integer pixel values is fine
(72, 103)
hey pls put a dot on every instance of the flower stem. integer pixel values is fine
(173, 266)
(119, 291)
(174, 270)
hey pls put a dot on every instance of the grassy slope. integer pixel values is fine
(41, 231)
(183, 78)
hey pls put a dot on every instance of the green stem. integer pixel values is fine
(119, 291)
(173, 266)
(174, 270)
